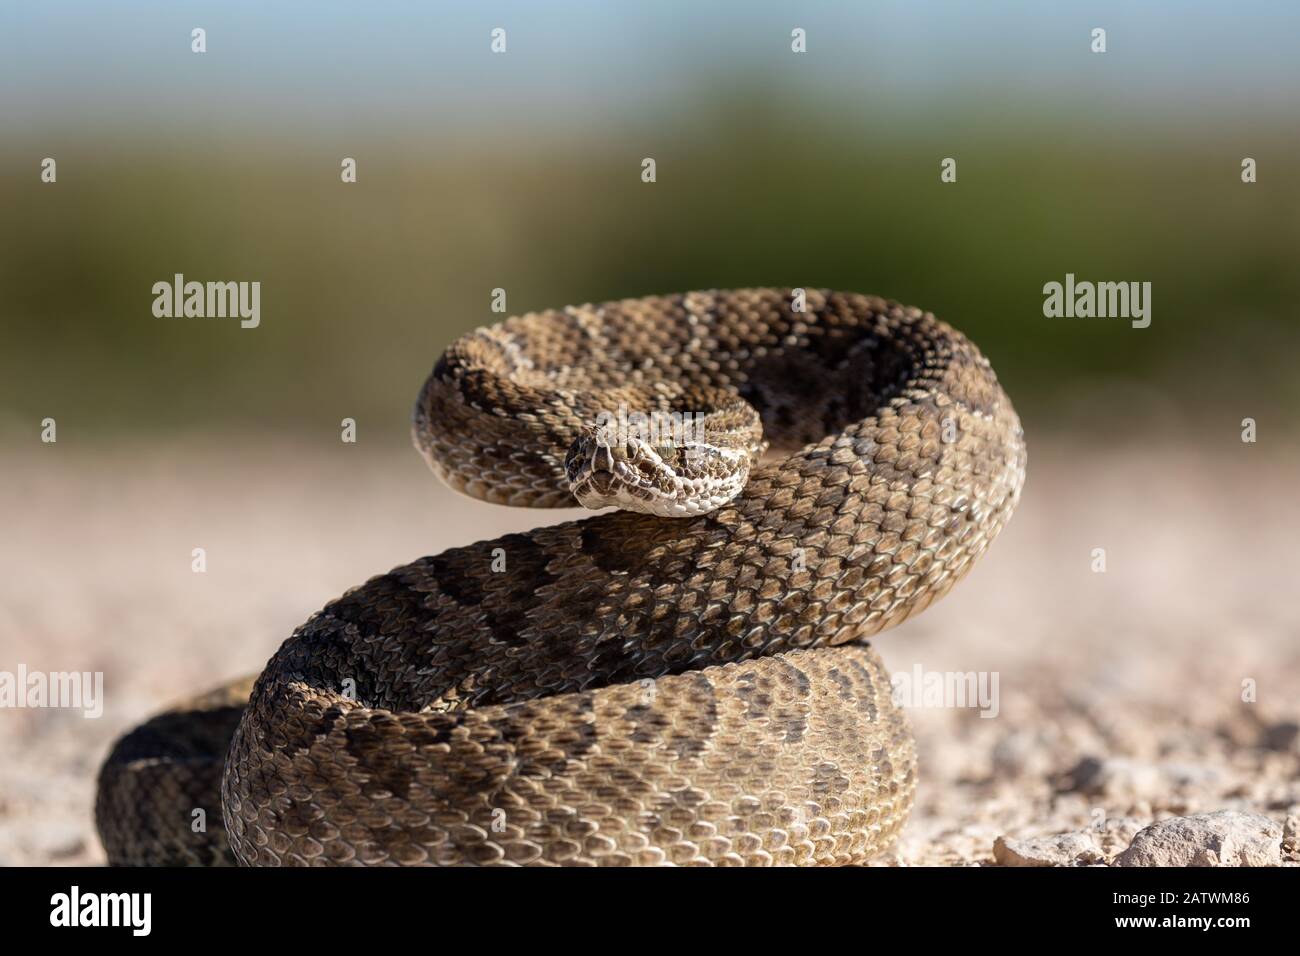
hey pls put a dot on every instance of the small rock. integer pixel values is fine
(1123, 777)
(1019, 754)
(67, 848)
(1281, 736)
(1291, 833)
(1113, 776)
(55, 840)
(1185, 776)
(1224, 838)
(1117, 833)
(1063, 849)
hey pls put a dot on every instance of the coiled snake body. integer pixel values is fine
(630, 688)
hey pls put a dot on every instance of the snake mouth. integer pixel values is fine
(631, 475)
(638, 478)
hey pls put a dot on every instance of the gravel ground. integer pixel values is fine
(1119, 694)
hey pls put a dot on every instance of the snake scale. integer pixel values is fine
(631, 688)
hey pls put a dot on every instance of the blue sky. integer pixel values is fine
(404, 65)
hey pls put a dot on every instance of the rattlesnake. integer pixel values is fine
(630, 688)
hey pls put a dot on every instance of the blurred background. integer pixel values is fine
(523, 171)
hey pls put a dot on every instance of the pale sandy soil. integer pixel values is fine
(1141, 667)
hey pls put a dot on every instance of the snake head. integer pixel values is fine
(606, 469)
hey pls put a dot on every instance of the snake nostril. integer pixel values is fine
(572, 465)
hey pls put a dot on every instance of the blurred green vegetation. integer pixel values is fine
(363, 285)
